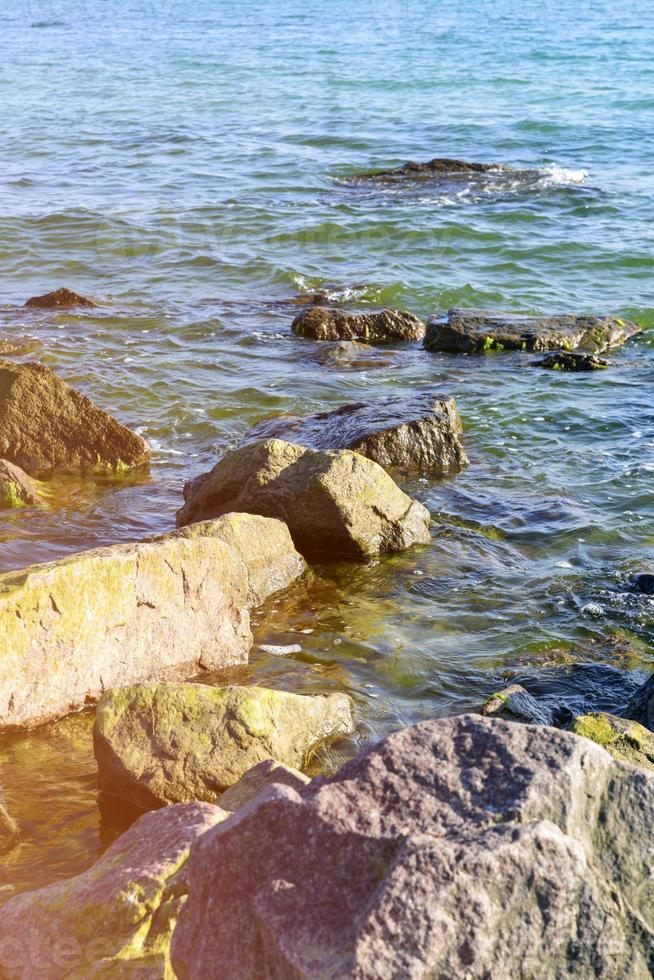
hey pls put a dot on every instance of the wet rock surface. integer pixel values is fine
(641, 706)
(420, 434)
(59, 298)
(438, 167)
(46, 425)
(116, 919)
(335, 503)
(154, 610)
(643, 583)
(625, 740)
(514, 703)
(571, 361)
(463, 847)
(173, 743)
(475, 331)
(372, 326)
(17, 489)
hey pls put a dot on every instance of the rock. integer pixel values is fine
(264, 774)
(172, 743)
(373, 326)
(643, 583)
(9, 830)
(262, 543)
(514, 703)
(155, 610)
(571, 361)
(116, 919)
(17, 489)
(625, 740)
(465, 847)
(352, 355)
(438, 167)
(473, 331)
(641, 706)
(46, 425)
(335, 503)
(59, 298)
(420, 434)
(273, 650)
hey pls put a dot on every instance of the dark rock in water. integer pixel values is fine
(438, 167)
(351, 355)
(641, 706)
(644, 583)
(626, 740)
(419, 434)
(514, 703)
(46, 425)
(475, 331)
(59, 298)
(336, 503)
(373, 327)
(466, 847)
(571, 361)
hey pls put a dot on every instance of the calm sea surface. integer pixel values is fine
(186, 165)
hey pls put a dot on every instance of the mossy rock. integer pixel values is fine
(625, 740)
(17, 489)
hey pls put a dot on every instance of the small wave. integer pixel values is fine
(556, 176)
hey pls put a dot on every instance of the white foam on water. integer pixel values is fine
(555, 176)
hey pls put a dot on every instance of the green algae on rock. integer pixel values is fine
(17, 489)
(117, 918)
(154, 610)
(514, 703)
(168, 743)
(46, 425)
(475, 331)
(570, 361)
(371, 326)
(625, 740)
(335, 503)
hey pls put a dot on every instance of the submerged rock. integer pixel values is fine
(9, 830)
(466, 847)
(335, 503)
(371, 326)
(572, 361)
(352, 355)
(625, 740)
(264, 774)
(514, 703)
(419, 434)
(170, 743)
(116, 919)
(45, 424)
(155, 610)
(59, 298)
(641, 706)
(643, 583)
(474, 331)
(17, 489)
(263, 544)
(438, 167)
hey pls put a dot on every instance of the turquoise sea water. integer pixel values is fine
(187, 166)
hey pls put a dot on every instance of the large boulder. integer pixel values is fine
(172, 743)
(372, 326)
(115, 920)
(335, 503)
(59, 298)
(9, 830)
(641, 706)
(514, 703)
(45, 424)
(154, 610)
(17, 489)
(419, 434)
(263, 544)
(473, 331)
(466, 847)
(623, 739)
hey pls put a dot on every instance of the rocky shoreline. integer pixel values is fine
(468, 846)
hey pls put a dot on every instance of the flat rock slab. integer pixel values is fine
(73, 628)
(59, 298)
(115, 920)
(622, 738)
(466, 847)
(476, 331)
(371, 326)
(572, 361)
(336, 503)
(420, 434)
(173, 743)
(46, 425)
(17, 489)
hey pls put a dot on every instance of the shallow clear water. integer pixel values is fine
(189, 169)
